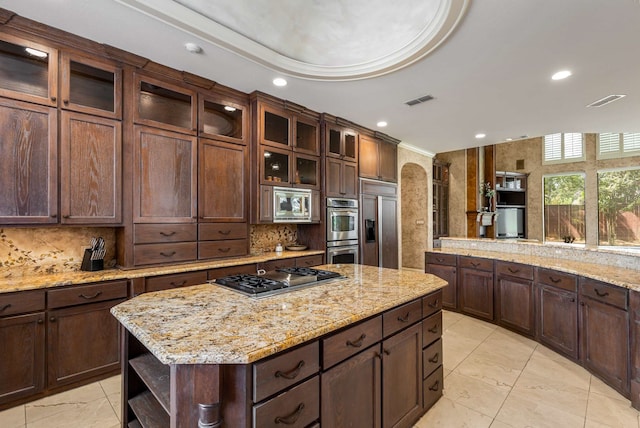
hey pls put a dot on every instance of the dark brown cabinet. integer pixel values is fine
(475, 286)
(29, 153)
(440, 199)
(604, 323)
(379, 222)
(341, 164)
(378, 159)
(90, 169)
(22, 334)
(634, 309)
(444, 266)
(515, 297)
(557, 308)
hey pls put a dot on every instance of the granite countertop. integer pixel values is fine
(10, 283)
(208, 324)
(627, 278)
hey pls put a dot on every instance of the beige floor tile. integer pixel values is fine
(92, 414)
(116, 404)
(472, 328)
(599, 387)
(610, 411)
(557, 394)
(557, 373)
(447, 414)
(449, 318)
(13, 418)
(64, 401)
(591, 424)
(499, 424)
(505, 343)
(456, 347)
(492, 367)
(475, 394)
(520, 410)
(111, 385)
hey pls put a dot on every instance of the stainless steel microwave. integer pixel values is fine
(291, 205)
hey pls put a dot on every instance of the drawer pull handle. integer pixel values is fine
(292, 418)
(84, 296)
(435, 358)
(291, 374)
(439, 260)
(5, 307)
(358, 342)
(513, 270)
(386, 351)
(162, 253)
(475, 265)
(224, 250)
(404, 318)
(435, 386)
(554, 280)
(434, 304)
(599, 293)
(224, 232)
(433, 329)
(174, 284)
(167, 234)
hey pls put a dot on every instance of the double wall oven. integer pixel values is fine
(342, 230)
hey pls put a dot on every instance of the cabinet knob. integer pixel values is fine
(54, 99)
(52, 319)
(40, 320)
(65, 102)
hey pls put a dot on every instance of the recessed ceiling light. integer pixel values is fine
(279, 81)
(36, 52)
(509, 139)
(193, 48)
(381, 124)
(561, 75)
(478, 136)
(229, 108)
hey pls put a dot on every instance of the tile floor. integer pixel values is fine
(493, 378)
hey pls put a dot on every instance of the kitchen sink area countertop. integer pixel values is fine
(612, 267)
(10, 282)
(208, 324)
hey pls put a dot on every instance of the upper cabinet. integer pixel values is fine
(511, 189)
(222, 119)
(28, 71)
(378, 159)
(341, 159)
(164, 105)
(341, 142)
(90, 86)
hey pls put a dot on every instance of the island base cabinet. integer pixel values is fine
(351, 392)
(605, 342)
(450, 292)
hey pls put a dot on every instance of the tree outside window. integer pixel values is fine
(619, 208)
(564, 209)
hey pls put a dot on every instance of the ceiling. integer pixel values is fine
(488, 63)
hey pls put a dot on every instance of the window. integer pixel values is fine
(564, 210)
(614, 145)
(559, 148)
(619, 208)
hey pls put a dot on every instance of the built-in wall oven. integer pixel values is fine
(342, 230)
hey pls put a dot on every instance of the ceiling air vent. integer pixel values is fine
(606, 100)
(420, 100)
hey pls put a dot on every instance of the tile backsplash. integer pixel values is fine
(264, 237)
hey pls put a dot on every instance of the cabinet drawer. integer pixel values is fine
(431, 358)
(432, 328)
(476, 263)
(221, 231)
(166, 282)
(431, 303)
(219, 249)
(401, 317)
(432, 388)
(158, 233)
(164, 253)
(21, 302)
(277, 264)
(296, 408)
(562, 280)
(603, 292)
(514, 269)
(440, 259)
(232, 270)
(282, 371)
(81, 294)
(349, 342)
(310, 261)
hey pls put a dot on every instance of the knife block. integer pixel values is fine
(91, 265)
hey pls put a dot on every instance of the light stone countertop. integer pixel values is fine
(208, 324)
(10, 282)
(627, 278)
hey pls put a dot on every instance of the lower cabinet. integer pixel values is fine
(444, 266)
(634, 309)
(515, 297)
(476, 287)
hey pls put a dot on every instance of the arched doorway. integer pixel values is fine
(415, 216)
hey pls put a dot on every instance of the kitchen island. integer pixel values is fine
(368, 344)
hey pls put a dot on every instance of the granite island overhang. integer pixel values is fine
(208, 331)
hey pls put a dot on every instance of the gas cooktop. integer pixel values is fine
(275, 282)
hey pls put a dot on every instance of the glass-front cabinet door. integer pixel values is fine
(307, 137)
(90, 86)
(275, 127)
(165, 105)
(28, 71)
(306, 171)
(275, 166)
(222, 119)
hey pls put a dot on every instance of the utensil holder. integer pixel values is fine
(91, 265)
